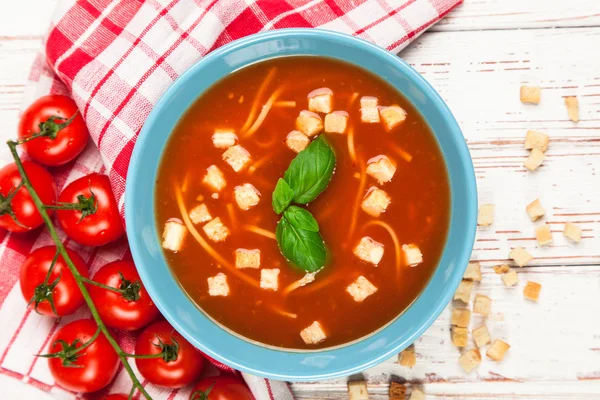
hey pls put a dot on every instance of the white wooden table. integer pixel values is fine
(477, 58)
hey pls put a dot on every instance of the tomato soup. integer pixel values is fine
(357, 224)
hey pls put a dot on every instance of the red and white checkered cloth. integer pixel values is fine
(116, 58)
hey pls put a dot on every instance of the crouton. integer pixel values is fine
(376, 201)
(361, 288)
(572, 232)
(313, 334)
(369, 250)
(520, 256)
(217, 285)
(269, 279)
(536, 140)
(461, 317)
(216, 230)
(473, 272)
(412, 254)
(535, 159)
(407, 357)
(397, 391)
(174, 234)
(246, 196)
(463, 293)
(543, 235)
(530, 94)
(247, 258)
(572, 104)
(297, 141)
(381, 168)
(369, 110)
(392, 116)
(416, 394)
(309, 123)
(481, 336)
(497, 350)
(237, 157)
(320, 100)
(535, 210)
(460, 336)
(501, 269)
(532, 291)
(336, 122)
(215, 178)
(200, 214)
(470, 360)
(357, 390)
(224, 139)
(482, 305)
(510, 278)
(485, 217)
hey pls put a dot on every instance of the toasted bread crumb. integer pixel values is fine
(535, 210)
(482, 305)
(536, 140)
(416, 394)
(543, 235)
(532, 291)
(463, 293)
(510, 278)
(501, 269)
(473, 272)
(486, 215)
(460, 336)
(535, 159)
(497, 350)
(572, 232)
(407, 357)
(461, 317)
(530, 94)
(470, 360)
(520, 256)
(397, 391)
(481, 336)
(572, 104)
(357, 390)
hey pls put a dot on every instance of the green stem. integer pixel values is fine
(49, 128)
(101, 285)
(74, 271)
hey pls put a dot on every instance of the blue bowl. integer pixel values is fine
(231, 349)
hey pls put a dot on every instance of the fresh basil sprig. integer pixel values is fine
(304, 249)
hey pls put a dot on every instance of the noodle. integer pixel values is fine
(260, 231)
(352, 99)
(259, 94)
(285, 104)
(231, 212)
(260, 162)
(351, 149)
(403, 154)
(306, 279)
(390, 230)
(361, 188)
(284, 313)
(263, 114)
(186, 180)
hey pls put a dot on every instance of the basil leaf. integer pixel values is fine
(282, 196)
(301, 219)
(310, 171)
(303, 249)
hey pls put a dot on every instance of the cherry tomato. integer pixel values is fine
(97, 222)
(64, 134)
(115, 396)
(60, 289)
(85, 371)
(181, 363)
(17, 204)
(131, 310)
(221, 388)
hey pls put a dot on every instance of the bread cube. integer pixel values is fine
(313, 334)
(246, 196)
(501, 269)
(381, 168)
(361, 288)
(369, 109)
(376, 201)
(470, 360)
(461, 317)
(309, 123)
(520, 256)
(397, 391)
(216, 230)
(174, 234)
(336, 122)
(412, 254)
(269, 279)
(510, 278)
(463, 293)
(200, 214)
(481, 336)
(237, 157)
(320, 100)
(536, 140)
(224, 139)
(497, 350)
(392, 116)
(572, 232)
(214, 178)
(217, 285)
(543, 235)
(247, 258)
(473, 272)
(297, 141)
(485, 217)
(530, 94)
(532, 291)
(416, 394)
(535, 210)
(369, 250)
(572, 104)
(460, 336)
(482, 305)
(357, 390)
(535, 159)
(407, 357)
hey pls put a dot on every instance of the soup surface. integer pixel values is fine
(417, 214)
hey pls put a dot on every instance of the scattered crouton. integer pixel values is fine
(216, 230)
(381, 168)
(200, 214)
(463, 293)
(361, 288)
(531, 94)
(376, 201)
(237, 157)
(535, 159)
(497, 349)
(320, 100)
(543, 235)
(572, 104)
(470, 360)
(535, 210)
(397, 391)
(217, 285)
(482, 305)
(392, 116)
(269, 279)
(297, 141)
(520, 256)
(486, 215)
(460, 336)
(572, 232)
(501, 269)
(473, 272)
(309, 123)
(369, 250)
(412, 254)
(246, 196)
(407, 357)
(532, 291)
(481, 336)
(215, 178)
(536, 140)
(247, 258)
(461, 317)
(510, 278)
(336, 122)
(174, 234)
(313, 334)
(224, 139)
(357, 390)
(369, 110)
(416, 394)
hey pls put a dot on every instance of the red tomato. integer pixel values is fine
(64, 139)
(181, 364)
(131, 310)
(117, 396)
(20, 205)
(90, 369)
(221, 388)
(101, 223)
(63, 291)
